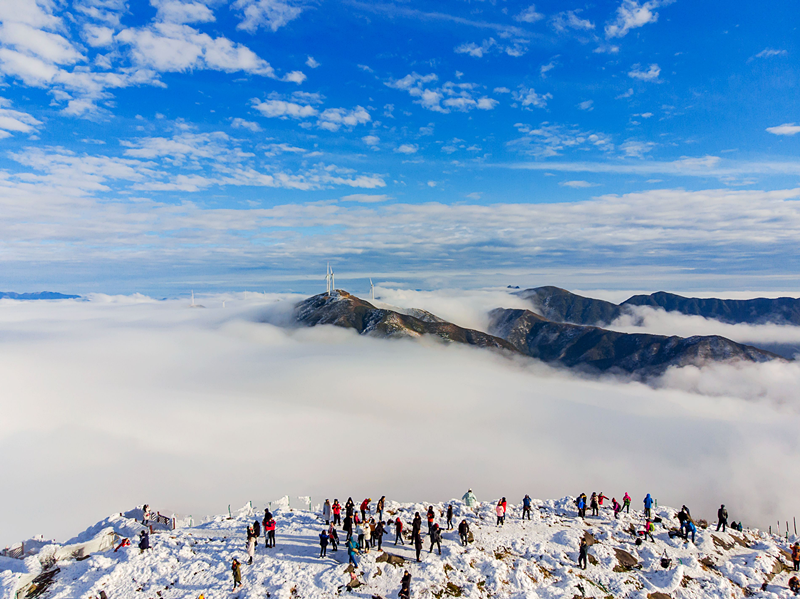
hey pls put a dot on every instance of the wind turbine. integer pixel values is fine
(372, 290)
(333, 283)
(328, 279)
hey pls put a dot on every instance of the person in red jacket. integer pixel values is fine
(269, 528)
(398, 531)
(365, 509)
(337, 512)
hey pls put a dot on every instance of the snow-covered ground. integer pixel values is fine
(536, 558)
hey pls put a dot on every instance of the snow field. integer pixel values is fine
(536, 558)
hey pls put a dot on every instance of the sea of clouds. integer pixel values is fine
(126, 400)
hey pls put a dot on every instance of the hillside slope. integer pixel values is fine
(604, 350)
(536, 558)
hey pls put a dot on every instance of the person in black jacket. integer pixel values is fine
(377, 536)
(348, 527)
(463, 532)
(418, 544)
(405, 586)
(416, 525)
(144, 541)
(257, 528)
(450, 517)
(722, 517)
(583, 555)
(436, 538)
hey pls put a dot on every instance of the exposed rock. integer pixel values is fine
(589, 538)
(626, 560)
(392, 560)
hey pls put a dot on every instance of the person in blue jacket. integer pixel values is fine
(352, 550)
(526, 507)
(648, 506)
(690, 528)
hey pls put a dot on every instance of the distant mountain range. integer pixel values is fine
(40, 295)
(560, 305)
(523, 332)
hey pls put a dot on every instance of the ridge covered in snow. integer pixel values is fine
(522, 558)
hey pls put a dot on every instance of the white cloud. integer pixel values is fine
(331, 119)
(238, 123)
(371, 140)
(475, 195)
(295, 77)
(283, 109)
(551, 140)
(502, 90)
(545, 68)
(627, 94)
(651, 74)
(577, 184)
(632, 15)
(529, 15)
(407, 149)
(586, 105)
(785, 129)
(270, 14)
(770, 52)
(569, 19)
(449, 96)
(311, 63)
(637, 149)
(528, 97)
(15, 121)
(363, 198)
(176, 11)
(516, 48)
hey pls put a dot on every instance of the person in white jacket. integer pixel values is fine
(326, 511)
(470, 499)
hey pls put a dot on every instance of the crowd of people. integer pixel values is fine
(364, 531)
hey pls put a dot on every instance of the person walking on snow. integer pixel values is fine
(690, 528)
(436, 538)
(450, 516)
(648, 506)
(323, 543)
(469, 499)
(463, 532)
(722, 518)
(398, 531)
(336, 508)
(380, 506)
(583, 555)
(251, 544)
(326, 512)
(405, 586)
(526, 507)
(648, 530)
(617, 508)
(626, 503)
(236, 569)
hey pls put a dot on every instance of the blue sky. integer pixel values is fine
(151, 146)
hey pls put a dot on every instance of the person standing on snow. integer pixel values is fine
(463, 532)
(431, 517)
(326, 512)
(365, 508)
(251, 544)
(416, 524)
(336, 508)
(359, 534)
(648, 529)
(526, 506)
(436, 538)
(690, 528)
(333, 537)
(593, 505)
(237, 573)
(500, 513)
(722, 518)
(398, 531)
(469, 499)
(257, 529)
(352, 551)
(581, 503)
(270, 530)
(583, 555)
(377, 536)
(380, 506)
(796, 556)
(626, 503)
(348, 507)
(648, 506)
(418, 544)
(405, 586)
(323, 543)
(367, 536)
(617, 508)
(144, 541)
(264, 523)
(348, 527)
(449, 516)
